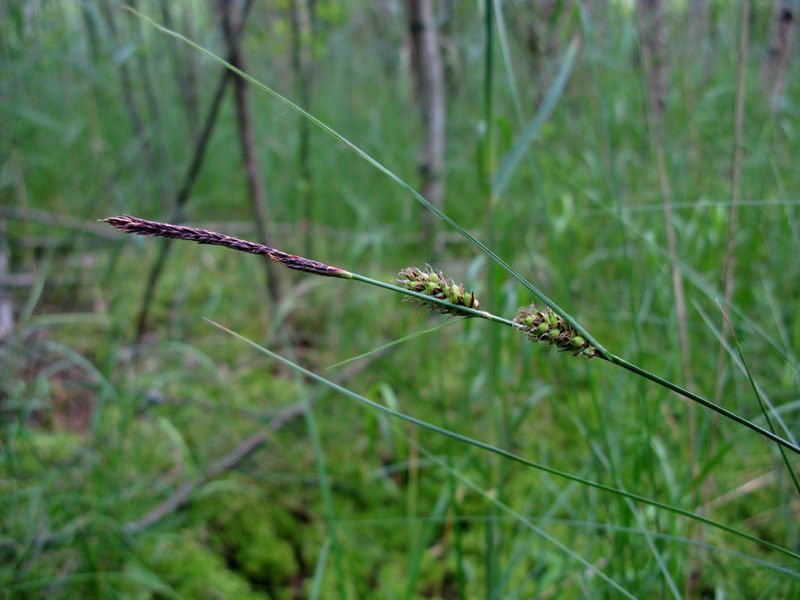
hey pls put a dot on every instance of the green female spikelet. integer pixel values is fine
(549, 327)
(433, 283)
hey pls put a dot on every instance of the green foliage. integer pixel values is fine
(257, 536)
(182, 567)
(96, 431)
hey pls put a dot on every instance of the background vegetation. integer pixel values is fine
(176, 461)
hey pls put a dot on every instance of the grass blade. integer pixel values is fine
(395, 342)
(504, 453)
(513, 158)
(387, 172)
(760, 399)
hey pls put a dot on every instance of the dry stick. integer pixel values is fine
(256, 188)
(428, 77)
(729, 263)
(188, 182)
(183, 494)
(677, 279)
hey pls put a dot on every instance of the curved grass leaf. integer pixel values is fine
(512, 159)
(601, 350)
(505, 453)
(400, 341)
(387, 172)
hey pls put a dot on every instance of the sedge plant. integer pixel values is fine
(577, 380)
(434, 291)
(542, 322)
(561, 314)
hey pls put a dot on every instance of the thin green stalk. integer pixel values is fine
(494, 501)
(602, 434)
(319, 570)
(774, 411)
(322, 474)
(616, 360)
(536, 292)
(566, 317)
(486, 162)
(760, 399)
(613, 182)
(395, 342)
(513, 158)
(458, 545)
(647, 416)
(702, 401)
(431, 530)
(143, 227)
(711, 293)
(415, 542)
(502, 37)
(505, 453)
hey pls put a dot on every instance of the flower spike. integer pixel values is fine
(548, 327)
(433, 283)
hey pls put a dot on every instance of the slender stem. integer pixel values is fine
(130, 224)
(702, 401)
(483, 248)
(467, 311)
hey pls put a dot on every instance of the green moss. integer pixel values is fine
(181, 567)
(253, 534)
(36, 452)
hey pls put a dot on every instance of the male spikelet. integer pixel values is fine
(549, 327)
(433, 283)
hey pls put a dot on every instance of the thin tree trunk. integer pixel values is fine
(783, 29)
(426, 64)
(244, 116)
